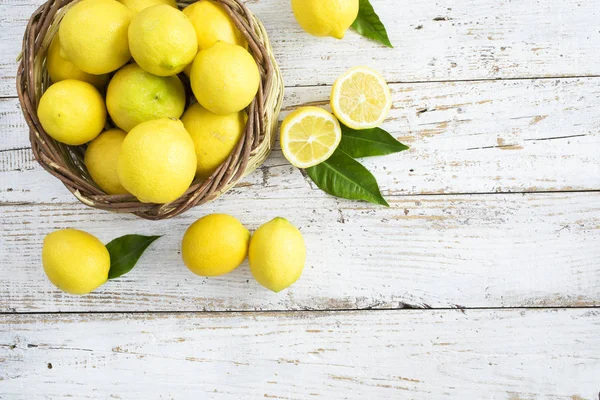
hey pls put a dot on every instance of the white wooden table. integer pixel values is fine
(481, 281)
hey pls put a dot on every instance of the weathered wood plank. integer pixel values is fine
(424, 251)
(465, 137)
(435, 41)
(509, 354)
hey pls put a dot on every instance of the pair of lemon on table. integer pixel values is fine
(155, 147)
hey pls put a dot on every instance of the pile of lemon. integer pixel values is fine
(122, 58)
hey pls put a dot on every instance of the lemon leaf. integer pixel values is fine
(125, 253)
(369, 142)
(368, 24)
(342, 176)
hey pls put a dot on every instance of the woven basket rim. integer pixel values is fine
(66, 162)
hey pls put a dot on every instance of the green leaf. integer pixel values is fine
(125, 252)
(369, 25)
(344, 177)
(369, 143)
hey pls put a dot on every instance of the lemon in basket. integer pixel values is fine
(215, 245)
(224, 78)
(162, 40)
(93, 35)
(138, 5)
(101, 158)
(157, 162)
(277, 254)
(361, 98)
(215, 136)
(309, 136)
(60, 69)
(134, 96)
(72, 112)
(212, 24)
(325, 18)
(75, 261)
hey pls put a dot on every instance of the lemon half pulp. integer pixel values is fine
(361, 98)
(309, 136)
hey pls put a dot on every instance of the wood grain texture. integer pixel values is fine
(465, 137)
(472, 355)
(424, 251)
(434, 41)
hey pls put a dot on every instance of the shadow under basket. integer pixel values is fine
(66, 162)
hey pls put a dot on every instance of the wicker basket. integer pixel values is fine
(66, 162)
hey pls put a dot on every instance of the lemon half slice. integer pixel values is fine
(361, 98)
(309, 136)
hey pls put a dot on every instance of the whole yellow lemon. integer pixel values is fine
(277, 254)
(75, 261)
(93, 35)
(215, 245)
(224, 78)
(72, 112)
(101, 158)
(138, 5)
(60, 69)
(157, 162)
(135, 96)
(215, 136)
(325, 18)
(162, 40)
(213, 24)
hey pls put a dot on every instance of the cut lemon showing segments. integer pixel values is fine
(309, 136)
(361, 98)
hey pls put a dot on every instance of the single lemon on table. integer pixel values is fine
(277, 254)
(215, 136)
(101, 157)
(162, 40)
(138, 5)
(75, 261)
(325, 18)
(361, 98)
(72, 112)
(60, 69)
(157, 163)
(213, 24)
(309, 136)
(93, 35)
(134, 96)
(224, 78)
(215, 245)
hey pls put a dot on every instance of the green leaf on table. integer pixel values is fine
(369, 143)
(125, 253)
(342, 176)
(368, 24)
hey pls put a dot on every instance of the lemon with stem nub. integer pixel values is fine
(325, 18)
(277, 254)
(162, 40)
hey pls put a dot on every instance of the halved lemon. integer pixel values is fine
(361, 98)
(309, 136)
